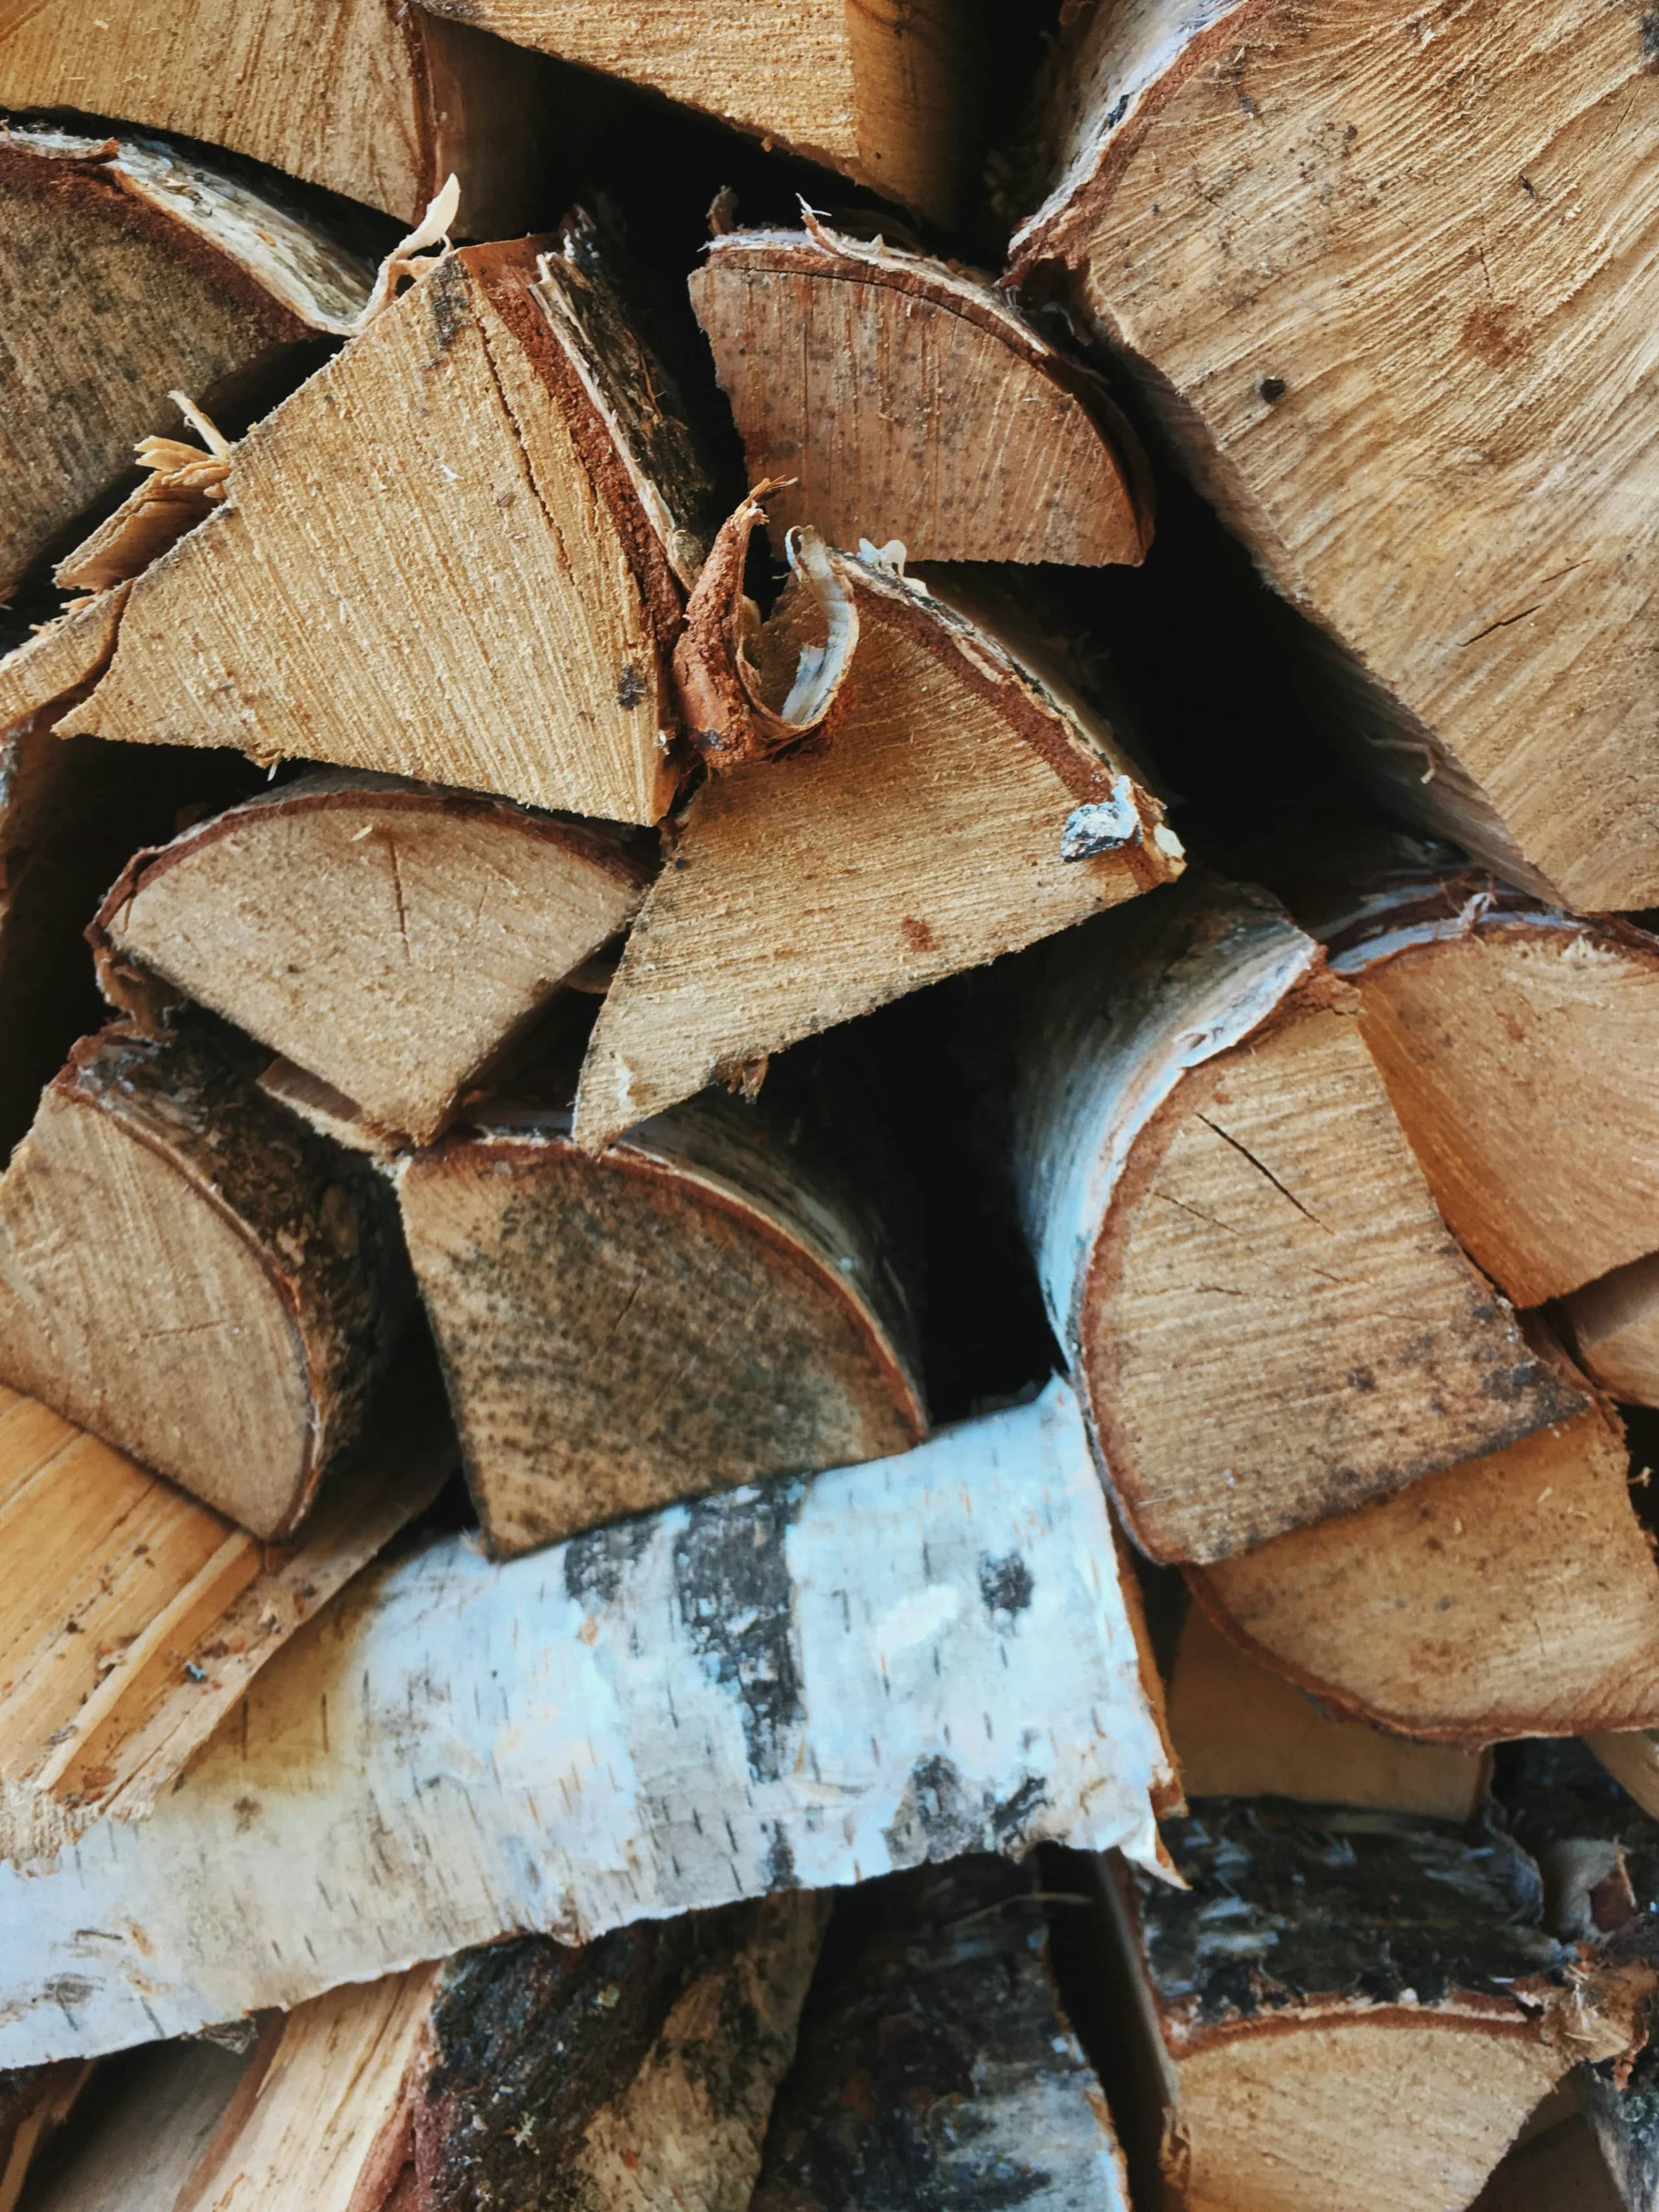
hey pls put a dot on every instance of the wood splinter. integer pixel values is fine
(394, 939)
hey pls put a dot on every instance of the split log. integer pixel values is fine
(1371, 319)
(942, 798)
(1317, 1980)
(1259, 1299)
(939, 2069)
(566, 1293)
(1515, 1596)
(190, 1274)
(1561, 2169)
(129, 269)
(395, 939)
(35, 2102)
(383, 109)
(156, 2109)
(479, 513)
(135, 1618)
(1242, 1731)
(889, 395)
(638, 2070)
(886, 94)
(803, 1685)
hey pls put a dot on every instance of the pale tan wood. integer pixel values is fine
(1238, 1250)
(885, 92)
(126, 270)
(920, 833)
(478, 523)
(51, 666)
(383, 104)
(1241, 1730)
(391, 938)
(1632, 1759)
(1514, 1042)
(140, 2136)
(1389, 326)
(1516, 1595)
(567, 1294)
(891, 396)
(189, 1274)
(1560, 2170)
(1614, 1325)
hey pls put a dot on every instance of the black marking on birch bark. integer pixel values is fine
(937, 1820)
(737, 1601)
(596, 1562)
(1006, 1587)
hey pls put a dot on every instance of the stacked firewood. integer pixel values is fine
(830, 1232)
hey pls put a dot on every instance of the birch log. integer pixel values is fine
(885, 93)
(480, 513)
(384, 108)
(934, 801)
(193, 1276)
(803, 1685)
(1385, 324)
(1318, 1980)
(128, 268)
(942, 2069)
(711, 1301)
(891, 396)
(395, 939)
(1263, 1307)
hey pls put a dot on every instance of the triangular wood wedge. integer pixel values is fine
(952, 805)
(1320, 1977)
(35, 2102)
(394, 939)
(637, 2070)
(1399, 374)
(891, 396)
(1515, 1596)
(803, 1685)
(1560, 2168)
(940, 2069)
(1237, 1247)
(128, 269)
(384, 108)
(479, 515)
(134, 1618)
(564, 1294)
(887, 95)
(190, 1273)
(141, 2134)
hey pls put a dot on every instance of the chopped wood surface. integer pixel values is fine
(1240, 1254)
(1558, 2170)
(142, 2134)
(34, 2103)
(474, 590)
(1355, 290)
(708, 1303)
(1516, 1595)
(883, 92)
(391, 937)
(919, 832)
(1241, 1730)
(129, 269)
(190, 1274)
(383, 104)
(1613, 1327)
(804, 1685)
(890, 396)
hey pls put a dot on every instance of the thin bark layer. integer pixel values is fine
(1386, 324)
(800, 1686)
(567, 1294)
(1238, 1250)
(889, 395)
(192, 1275)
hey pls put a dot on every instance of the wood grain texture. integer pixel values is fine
(129, 270)
(1612, 1325)
(885, 93)
(1237, 1247)
(1561, 2169)
(709, 1303)
(597, 1735)
(192, 1275)
(1516, 1595)
(141, 2137)
(35, 2102)
(379, 102)
(472, 591)
(918, 832)
(890, 396)
(1388, 293)
(391, 938)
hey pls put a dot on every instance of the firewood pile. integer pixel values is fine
(830, 1106)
